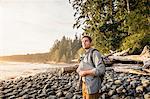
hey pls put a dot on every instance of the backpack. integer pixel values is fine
(91, 58)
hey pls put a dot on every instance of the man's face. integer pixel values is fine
(86, 44)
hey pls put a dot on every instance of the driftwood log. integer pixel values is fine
(146, 63)
(129, 58)
(133, 71)
(123, 53)
(69, 69)
(109, 61)
(142, 58)
(131, 68)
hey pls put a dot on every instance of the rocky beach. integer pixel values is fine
(53, 84)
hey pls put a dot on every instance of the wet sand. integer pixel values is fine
(12, 70)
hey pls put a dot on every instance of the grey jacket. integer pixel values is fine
(93, 83)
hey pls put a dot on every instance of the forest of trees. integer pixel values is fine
(114, 24)
(64, 50)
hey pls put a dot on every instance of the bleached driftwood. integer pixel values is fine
(69, 69)
(129, 58)
(133, 58)
(122, 53)
(146, 63)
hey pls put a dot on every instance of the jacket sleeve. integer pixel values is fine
(99, 64)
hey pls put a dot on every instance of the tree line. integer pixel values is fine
(64, 50)
(38, 58)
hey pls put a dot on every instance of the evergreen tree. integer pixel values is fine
(64, 50)
(110, 21)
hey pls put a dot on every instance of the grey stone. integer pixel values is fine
(139, 89)
(42, 95)
(32, 92)
(108, 85)
(77, 97)
(25, 97)
(69, 95)
(111, 92)
(29, 85)
(52, 97)
(59, 94)
(8, 91)
(12, 97)
(103, 88)
(40, 91)
(33, 96)
(1, 88)
(71, 89)
(104, 96)
(147, 96)
(2, 97)
(115, 97)
(23, 92)
(54, 87)
(51, 93)
(62, 98)
(16, 92)
(113, 87)
(118, 82)
(148, 89)
(8, 94)
(119, 90)
(145, 82)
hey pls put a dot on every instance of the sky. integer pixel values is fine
(32, 26)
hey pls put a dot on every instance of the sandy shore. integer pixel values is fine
(12, 70)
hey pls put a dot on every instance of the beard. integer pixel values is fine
(86, 48)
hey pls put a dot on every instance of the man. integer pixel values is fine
(90, 70)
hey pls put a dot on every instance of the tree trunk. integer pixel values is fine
(128, 7)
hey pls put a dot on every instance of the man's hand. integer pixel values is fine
(82, 73)
(86, 72)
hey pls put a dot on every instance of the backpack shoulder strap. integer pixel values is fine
(91, 56)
